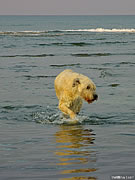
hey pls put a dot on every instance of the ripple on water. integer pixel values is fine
(58, 118)
(49, 115)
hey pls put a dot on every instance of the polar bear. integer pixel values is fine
(71, 88)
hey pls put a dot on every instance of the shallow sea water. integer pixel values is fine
(36, 141)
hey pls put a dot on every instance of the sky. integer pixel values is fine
(67, 7)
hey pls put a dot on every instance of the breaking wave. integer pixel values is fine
(59, 32)
(103, 30)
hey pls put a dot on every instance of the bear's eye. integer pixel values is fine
(88, 87)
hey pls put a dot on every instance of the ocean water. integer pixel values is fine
(36, 142)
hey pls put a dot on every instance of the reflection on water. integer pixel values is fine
(76, 158)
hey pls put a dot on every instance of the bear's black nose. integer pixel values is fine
(95, 96)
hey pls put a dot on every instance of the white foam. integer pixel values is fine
(102, 30)
(22, 32)
(57, 118)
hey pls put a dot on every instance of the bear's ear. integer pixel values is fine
(76, 81)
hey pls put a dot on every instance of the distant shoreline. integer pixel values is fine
(66, 15)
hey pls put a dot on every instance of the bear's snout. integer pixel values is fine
(95, 97)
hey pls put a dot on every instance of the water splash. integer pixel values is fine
(57, 118)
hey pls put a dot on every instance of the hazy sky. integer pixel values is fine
(67, 7)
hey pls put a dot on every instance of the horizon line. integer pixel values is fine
(67, 14)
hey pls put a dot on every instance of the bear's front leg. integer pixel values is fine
(66, 110)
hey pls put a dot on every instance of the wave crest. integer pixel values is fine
(59, 32)
(103, 30)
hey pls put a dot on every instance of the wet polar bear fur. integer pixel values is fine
(71, 88)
